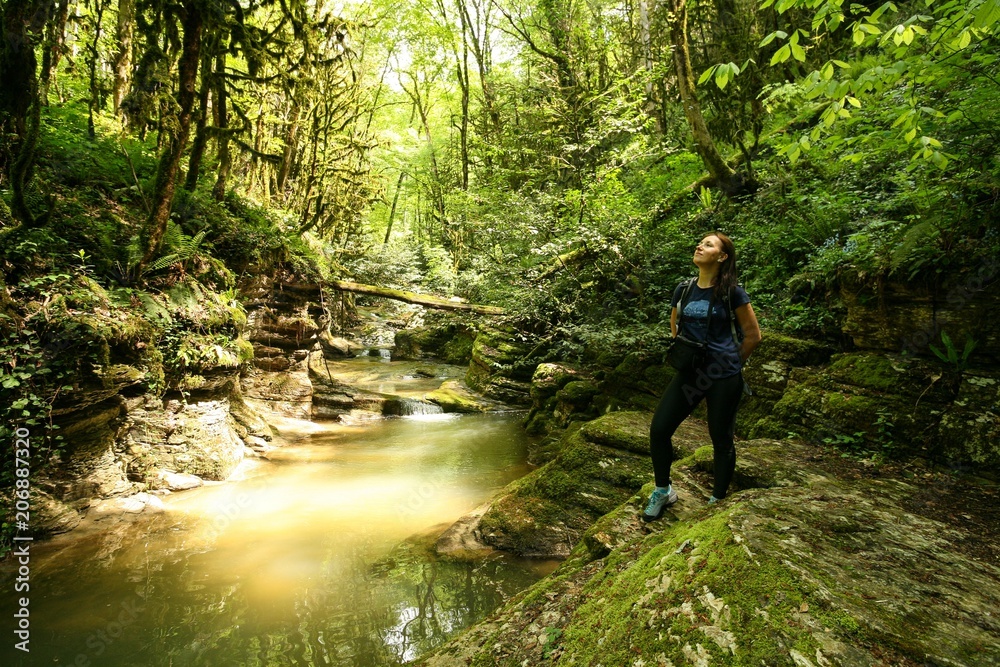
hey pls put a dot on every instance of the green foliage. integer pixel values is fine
(957, 361)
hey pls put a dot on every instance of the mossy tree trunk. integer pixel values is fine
(721, 172)
(166, 177)
(22, 23)
(413, 297)
(123, 57)
(222, 127)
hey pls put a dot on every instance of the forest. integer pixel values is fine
(548, 165)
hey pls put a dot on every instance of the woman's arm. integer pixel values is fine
(751, 330)
(673, 322)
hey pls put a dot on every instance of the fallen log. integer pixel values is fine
(413, 297)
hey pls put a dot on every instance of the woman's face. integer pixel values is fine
(709, 251)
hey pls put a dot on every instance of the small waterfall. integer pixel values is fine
(405, 407)
(377, 353)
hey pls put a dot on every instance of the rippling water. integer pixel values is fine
(318, 556)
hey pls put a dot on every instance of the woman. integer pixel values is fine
(719, 380)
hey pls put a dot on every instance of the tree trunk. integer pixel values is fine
(412, 297)
(291, 141)
(21, 22)
(645, 36)
(93, 60)
(392, 210)
(201, 131)
(222, 124)
(55, 36)
(166, 176)
(724, 176)
(123, 58)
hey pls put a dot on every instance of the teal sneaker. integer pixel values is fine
(713, 500)
(659, 499)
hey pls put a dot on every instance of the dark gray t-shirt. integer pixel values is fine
(695, 325)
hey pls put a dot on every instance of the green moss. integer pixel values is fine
(872, 371)
(577, 392)
(692, 585)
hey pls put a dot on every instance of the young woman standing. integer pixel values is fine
(719, 380)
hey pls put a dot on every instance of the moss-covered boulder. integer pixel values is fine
(560, 393)
(866, 401)
(638, 381)
(499, 368)
(767, 374)
(596, 467)
(969, 430)
(454, 396)
(452, 343)
(819, 570)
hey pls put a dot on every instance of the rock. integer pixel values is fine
(909, 317)
(545, 513)
(112, 508)
(50, 516)
(815, 570)
(174, 481)
(454, 396)
(499, 369)
(288, 393)
(969, 430)
(90, 466)
(461, 541)
(199, 439)
(339, 347)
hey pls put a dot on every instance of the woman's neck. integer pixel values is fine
(706, 276)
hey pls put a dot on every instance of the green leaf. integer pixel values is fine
(707, 74)
(798, 53)
(988, 15)
(722, 78)
(781, 55)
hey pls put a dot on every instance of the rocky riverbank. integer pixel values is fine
(814, 560)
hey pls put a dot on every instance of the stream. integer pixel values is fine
(321, 554)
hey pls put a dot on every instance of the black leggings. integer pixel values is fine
(680, 398)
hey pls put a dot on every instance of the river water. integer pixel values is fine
(317, 556)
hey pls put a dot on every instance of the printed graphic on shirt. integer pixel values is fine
(697, 311)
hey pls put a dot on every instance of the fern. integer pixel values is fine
(177, 248)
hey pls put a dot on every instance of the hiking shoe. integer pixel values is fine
(713, 500)
(657, 501)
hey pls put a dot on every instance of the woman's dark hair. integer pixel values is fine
(726, 279)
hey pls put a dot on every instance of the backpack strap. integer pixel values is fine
(737, 337)
(680, 304)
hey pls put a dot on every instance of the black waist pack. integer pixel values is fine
(686, 354)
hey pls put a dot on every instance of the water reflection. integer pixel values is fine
(320, 556)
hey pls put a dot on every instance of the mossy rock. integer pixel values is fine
(577, 393)
(788, 576)
(969, 430)
(454, 396)
(627, 431)
(549, 378)
(546, 512)
(794, 351)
